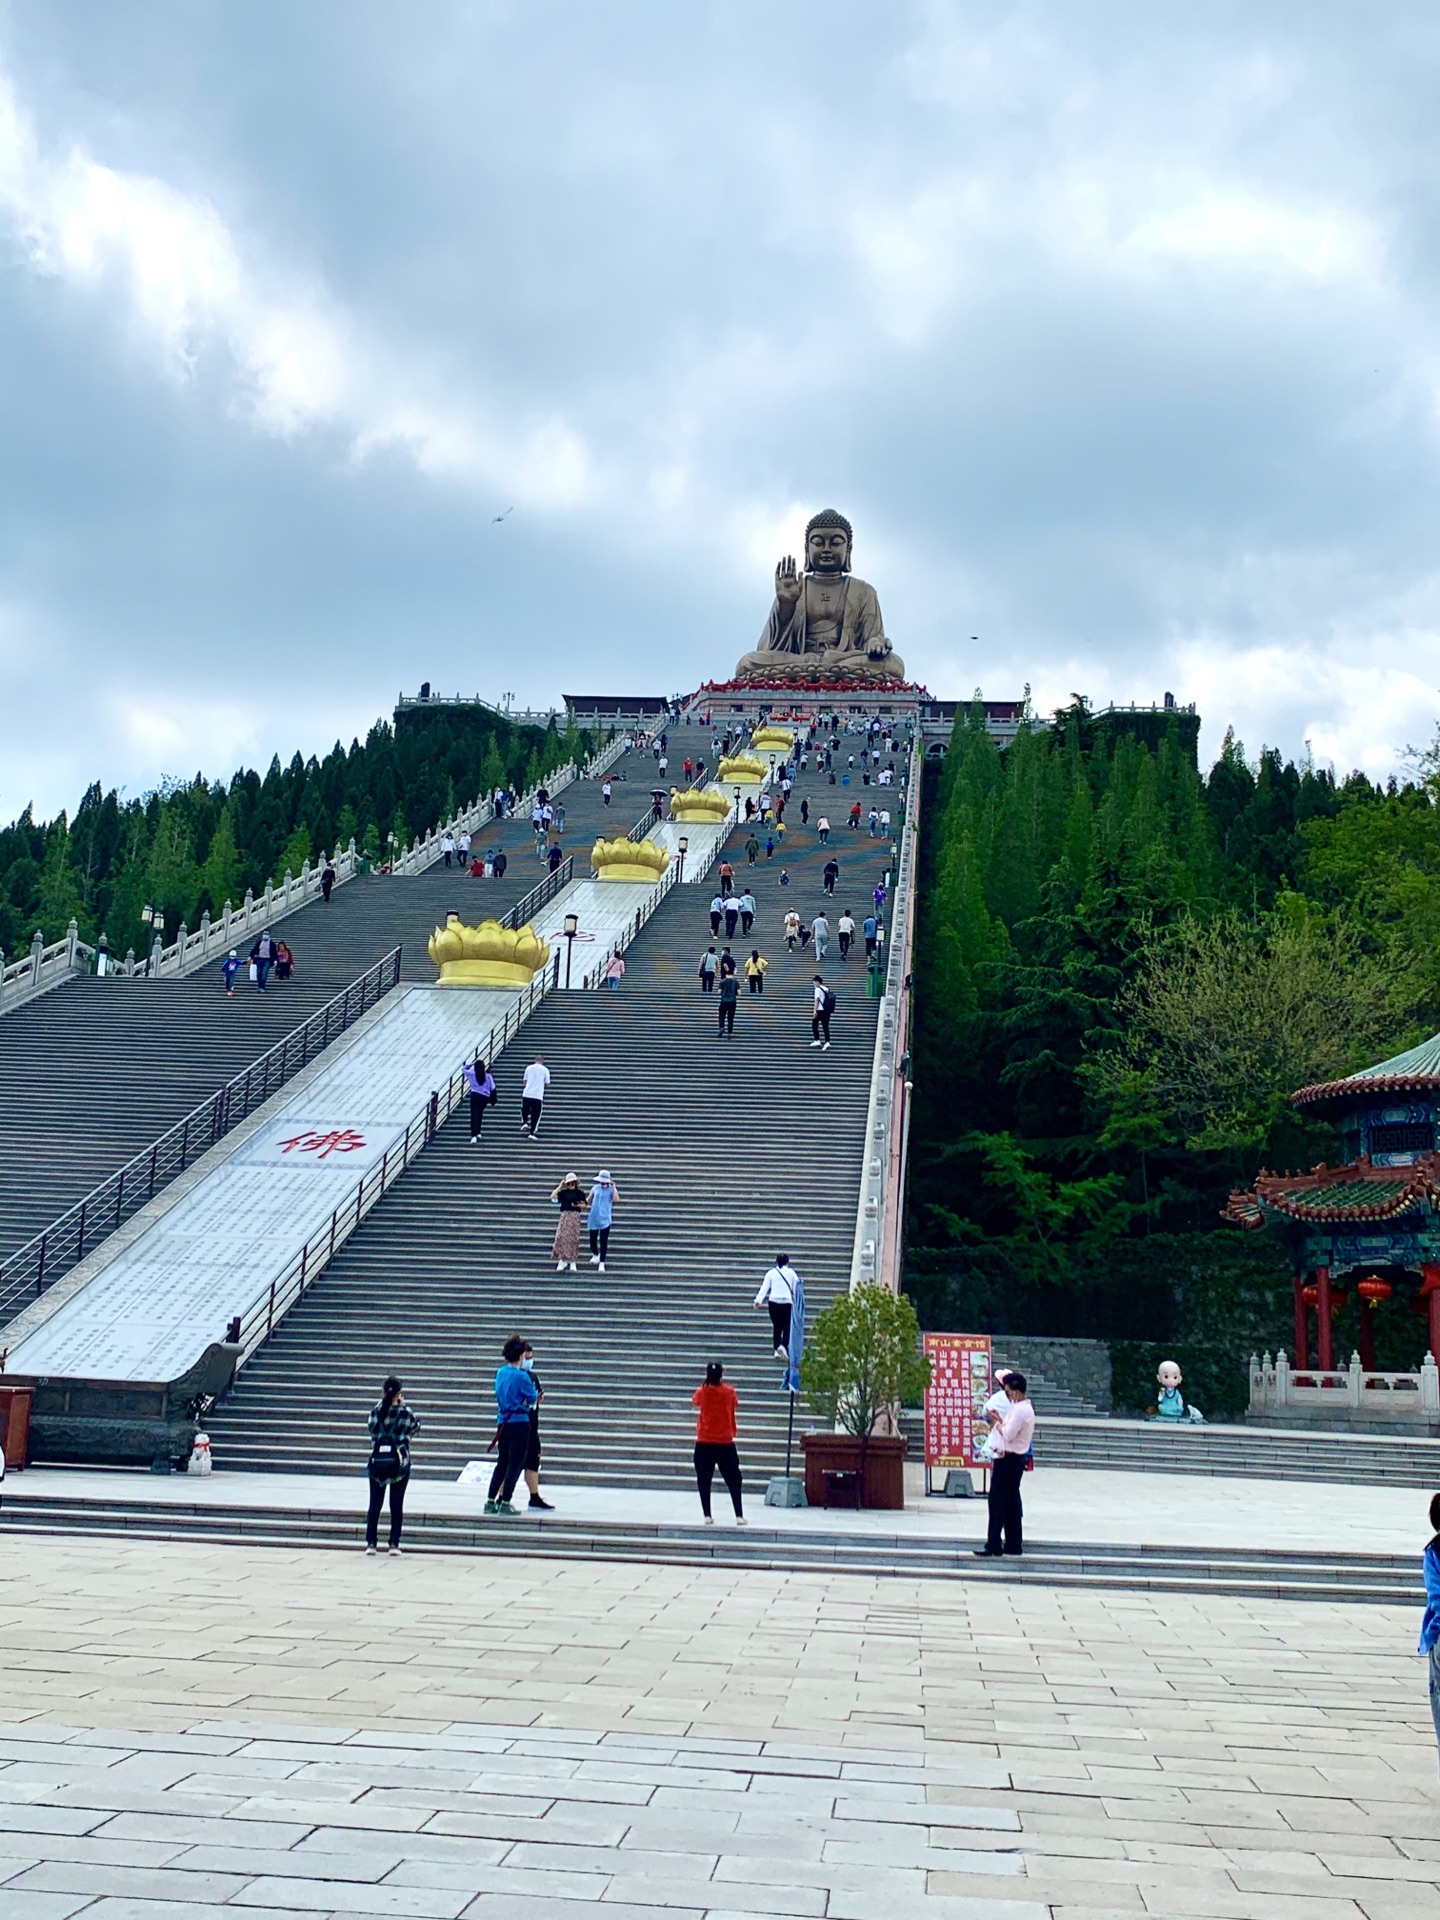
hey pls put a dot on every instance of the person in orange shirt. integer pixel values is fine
(715, 1405)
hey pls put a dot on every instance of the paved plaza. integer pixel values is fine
(293, 1731)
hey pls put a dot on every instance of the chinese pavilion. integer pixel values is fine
(1377, 1215)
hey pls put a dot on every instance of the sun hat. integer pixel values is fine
(603, 1174)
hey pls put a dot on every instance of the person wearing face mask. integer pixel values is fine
(515, 1395)
(538, 1504)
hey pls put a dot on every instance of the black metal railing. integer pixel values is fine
(526, 909)
(65, 1242)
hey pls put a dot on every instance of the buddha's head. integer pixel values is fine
(827, 543)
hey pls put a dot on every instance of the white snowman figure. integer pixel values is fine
(200, 1461)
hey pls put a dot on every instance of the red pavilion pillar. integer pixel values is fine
(1301, 1356)
(1324, 1331)
(1430, 1287)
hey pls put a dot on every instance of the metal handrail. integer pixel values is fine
(259, 1319)
(65, 1242)
(540, 896)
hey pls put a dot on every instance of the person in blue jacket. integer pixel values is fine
(515, 1394)
(1430, 1625)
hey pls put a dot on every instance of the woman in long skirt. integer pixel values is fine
(570, 1199)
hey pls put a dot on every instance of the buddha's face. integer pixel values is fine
(827, 550)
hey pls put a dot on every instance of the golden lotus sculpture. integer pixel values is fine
(743, 770)
(632, 860)
(768, 739)
(488, 955)
(701, 804)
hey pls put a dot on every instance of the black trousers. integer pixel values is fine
(478, 1104)
(757, 983)
(730, 920)
(845, 946)
(707, 983)
(397, 1508)
(714, 923)
(747, 921)
(600, 1241)
(1006, 1508)
(709, 1455)
(514, 1446)
(780, 1311)
(530, 1115)
(726, 1011)
(820, 1026)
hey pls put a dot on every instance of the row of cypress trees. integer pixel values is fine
(190, 845)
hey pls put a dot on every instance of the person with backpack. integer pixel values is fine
(725, 1012)
(229, 967)
(392, 1426)
(820, 1019)
(715, 1405)
(327, 881)
(515, 1394)
(480, 1085)
(777, 1292)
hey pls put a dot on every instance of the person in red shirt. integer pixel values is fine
(715, 1405)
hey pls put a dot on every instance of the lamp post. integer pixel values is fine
(390, 838)
(683, 847)
(572, 927)
(737, 806)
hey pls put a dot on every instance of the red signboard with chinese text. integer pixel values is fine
(955, 1399)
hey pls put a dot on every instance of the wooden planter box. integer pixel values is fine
(831, 1454)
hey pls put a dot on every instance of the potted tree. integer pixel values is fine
(862, 1361)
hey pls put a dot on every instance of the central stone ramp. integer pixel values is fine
(724, 1152)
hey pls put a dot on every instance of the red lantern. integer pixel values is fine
(1374, 1290)
(1310, 1295)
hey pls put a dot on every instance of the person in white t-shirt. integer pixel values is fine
(777, 1292)
(532, 1095)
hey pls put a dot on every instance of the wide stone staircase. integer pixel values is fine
(92, 1073)
(724, 1152)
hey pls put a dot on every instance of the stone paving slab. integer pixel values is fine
(479, 1740)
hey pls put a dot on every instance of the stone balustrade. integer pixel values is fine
(880, 1213)
(1351, 1395)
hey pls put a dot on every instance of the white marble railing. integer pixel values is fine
(43, 967)
(879, 1214)
(1276, 1385)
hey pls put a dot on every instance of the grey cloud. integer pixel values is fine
(1111, 331)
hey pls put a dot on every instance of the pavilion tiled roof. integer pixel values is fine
(1415, 1071)
(1358, 1192)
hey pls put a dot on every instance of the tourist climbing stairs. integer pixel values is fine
(724, 1151)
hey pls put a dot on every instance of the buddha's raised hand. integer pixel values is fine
(787, 581)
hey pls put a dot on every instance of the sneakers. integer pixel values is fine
(573, 1267)
(504, 1506)
(780, 1353)
(474, 1139)
(600, 1266)
(490, 1506)
(540, 1506)
(709, 1521)
(816, 1043)
(371, 1549)
(741, 1521)
(559, 1266)
(396, 1549)
(594, 1259)
(825, 1046)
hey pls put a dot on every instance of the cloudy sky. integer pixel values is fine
(1114, 329)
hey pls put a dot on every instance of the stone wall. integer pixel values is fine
(1081, 1367)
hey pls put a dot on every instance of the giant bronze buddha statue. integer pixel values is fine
(825, 624)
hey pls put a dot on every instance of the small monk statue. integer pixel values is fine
(825, 624)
